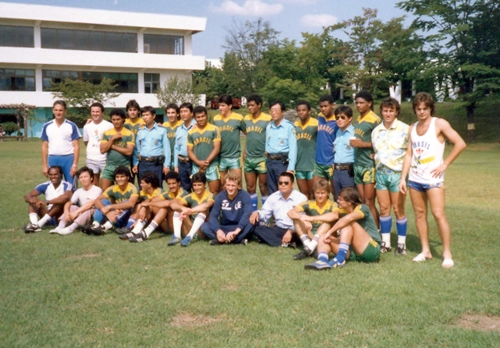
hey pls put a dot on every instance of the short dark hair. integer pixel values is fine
(327, 98)
(122, 170)
(199, 177)
(199, 109)
(59, 168)
(132, 103)
(149, 109)
(288, 175)
(364, 94)
(173, 175)
(426, 98)
(350, 195)
(97, 105)
(281, 104)
(172, 106)
(343, 109)
(151, 178)
(186, 106)
(390, 103)
(226, 99)
(60, 102)
(303, 102)
(118, 112)
(85, 169)
(255, 98)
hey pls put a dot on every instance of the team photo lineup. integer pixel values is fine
(142, 177)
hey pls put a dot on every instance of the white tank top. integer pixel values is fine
(427, 155)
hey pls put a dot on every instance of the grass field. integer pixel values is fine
(82, 291)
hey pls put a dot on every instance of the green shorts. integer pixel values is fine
(255, 165)
(229, 163)
(304, 175)
(212, 172)
(323, 171)
(364, 175)
(109, 172)
(387, 180)
(370, 254)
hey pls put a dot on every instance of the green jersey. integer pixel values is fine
(114, 157)
(202, 141)
(363, 128)
(144, 196)
(171, 131)
(116, 195)
(192, 200)
(306, 144)
(311, 208)
(368, 223)
(168, 196)
(134, 127)
(230, 128)
(256, 134)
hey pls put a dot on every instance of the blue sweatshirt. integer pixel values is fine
(231, 212)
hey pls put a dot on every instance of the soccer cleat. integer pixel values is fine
(97, 231)
(55, 230)
(87, 229)
(32, 228)
(302, 255)
(175, 240)
(244, 242)
(401, 250)
(385, 249)
(126, 235)
(335, 263)
(318, 265)
(64, 231)
(123, 230)
(186, 241)
(137, 238)
(215, 242)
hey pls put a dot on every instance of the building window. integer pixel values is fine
(126, 82)
(13, 36)
(88, 40)
(17, 79)
(163, 44)
(151, 83)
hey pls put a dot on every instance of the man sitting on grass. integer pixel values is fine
(195, 206)
(229, 218)
(353, 236)
(115, 205)
(79, 210)
(57, 192)
(305, 218)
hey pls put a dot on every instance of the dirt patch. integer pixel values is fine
(83, 256)
(479, 322)
(190, 320)
(230, 287)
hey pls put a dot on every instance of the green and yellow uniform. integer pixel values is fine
(171, 131)
(306, 144)
(116, 195)
(202, 141)
(144, 196)
(311, 208)
(363, 128)
(115, 158)
(168, 196)
(192, 200)
(134, 126)
(372, 251)
(230, 128)
(255, 161)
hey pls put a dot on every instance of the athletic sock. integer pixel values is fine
(62, 224)
(263, 199)
(322, 256)
(402, 226)
(305, 240)
(176, 219)
(314, 243)
(130, 222)
(152, 226)
(107, 225)
(43, 220)
(139, 225)
(73, 227)
(254, 200)
(33, 218)
(198, 221)
(385, 229)
(343, 249)
(95, 224)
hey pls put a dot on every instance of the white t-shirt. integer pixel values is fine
(60, 138)
(93, 133)
(82, 196)
(50, 192)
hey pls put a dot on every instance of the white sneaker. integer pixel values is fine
(65, 231)
(55, 230)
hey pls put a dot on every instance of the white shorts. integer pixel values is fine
(96, 166)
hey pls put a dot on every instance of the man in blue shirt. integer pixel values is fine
(281, 146)
(343, 175)
(152, 148)
(229, 218)
(182, 163)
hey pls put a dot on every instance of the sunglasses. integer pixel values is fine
(341, 117)
(283, 182)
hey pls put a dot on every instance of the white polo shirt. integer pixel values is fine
(50, 192)
(60, 138)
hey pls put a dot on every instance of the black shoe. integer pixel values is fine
(302, 255)
(385, 249)
(126, 235)
(123, 230)
(87, 229)
(137, 238)
(214, 242)
(401, 250)
(97, 231)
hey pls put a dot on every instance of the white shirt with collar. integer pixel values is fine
(276, 205)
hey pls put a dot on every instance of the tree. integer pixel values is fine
(79, 95)
(463, 45)
(177, 90)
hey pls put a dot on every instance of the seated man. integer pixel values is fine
(305, 218)
(114, 205)
(353, 236)
(229, 218)
(150, 189)
(57, 192)
(278, 205)
(195, 206)
(79, 210)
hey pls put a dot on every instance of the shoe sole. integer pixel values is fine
(314, 268)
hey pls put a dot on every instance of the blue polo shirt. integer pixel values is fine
(151, 143)
(180, 147)
(281, 139)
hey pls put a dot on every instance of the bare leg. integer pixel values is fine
(105, 183)
(263, 184)
(369, 200)
(437, 200)
(96, 179)
(251, 180)
(304, 188)
(419, 203)
(213, 186)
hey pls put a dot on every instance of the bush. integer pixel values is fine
(9, 127)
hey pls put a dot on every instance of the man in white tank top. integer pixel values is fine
(424, 162)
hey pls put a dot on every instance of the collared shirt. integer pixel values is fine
(344, 152)
(280, 139)
(180, 147)
(390, 145)
(279, 207)
(151, 143)
(60, 138)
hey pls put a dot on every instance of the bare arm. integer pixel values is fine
(215, 152)
(62, 199)
(344, 221)
(76, 146)
(45, 158)
(459, 145)
(295, 213)
(126, 151)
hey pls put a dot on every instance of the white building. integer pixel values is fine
(41, 44)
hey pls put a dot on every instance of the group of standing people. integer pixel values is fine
(356, 161)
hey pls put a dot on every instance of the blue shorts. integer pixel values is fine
(424, 187)
(229, 163)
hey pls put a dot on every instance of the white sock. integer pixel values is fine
(150, 229)
(33, 218)
(386, 238)
(43, 220)
(176, 219)
(107, 226)
(198, 221)
(139, 225)
(95, 224)
(313, 244)
(402, 240)
(72, 227)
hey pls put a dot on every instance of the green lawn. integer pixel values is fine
(82, 291)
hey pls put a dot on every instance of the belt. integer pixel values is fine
(342, 166)
(151, 159)
(183, 159)
(277, 156)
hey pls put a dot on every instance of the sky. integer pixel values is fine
(289, 17)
